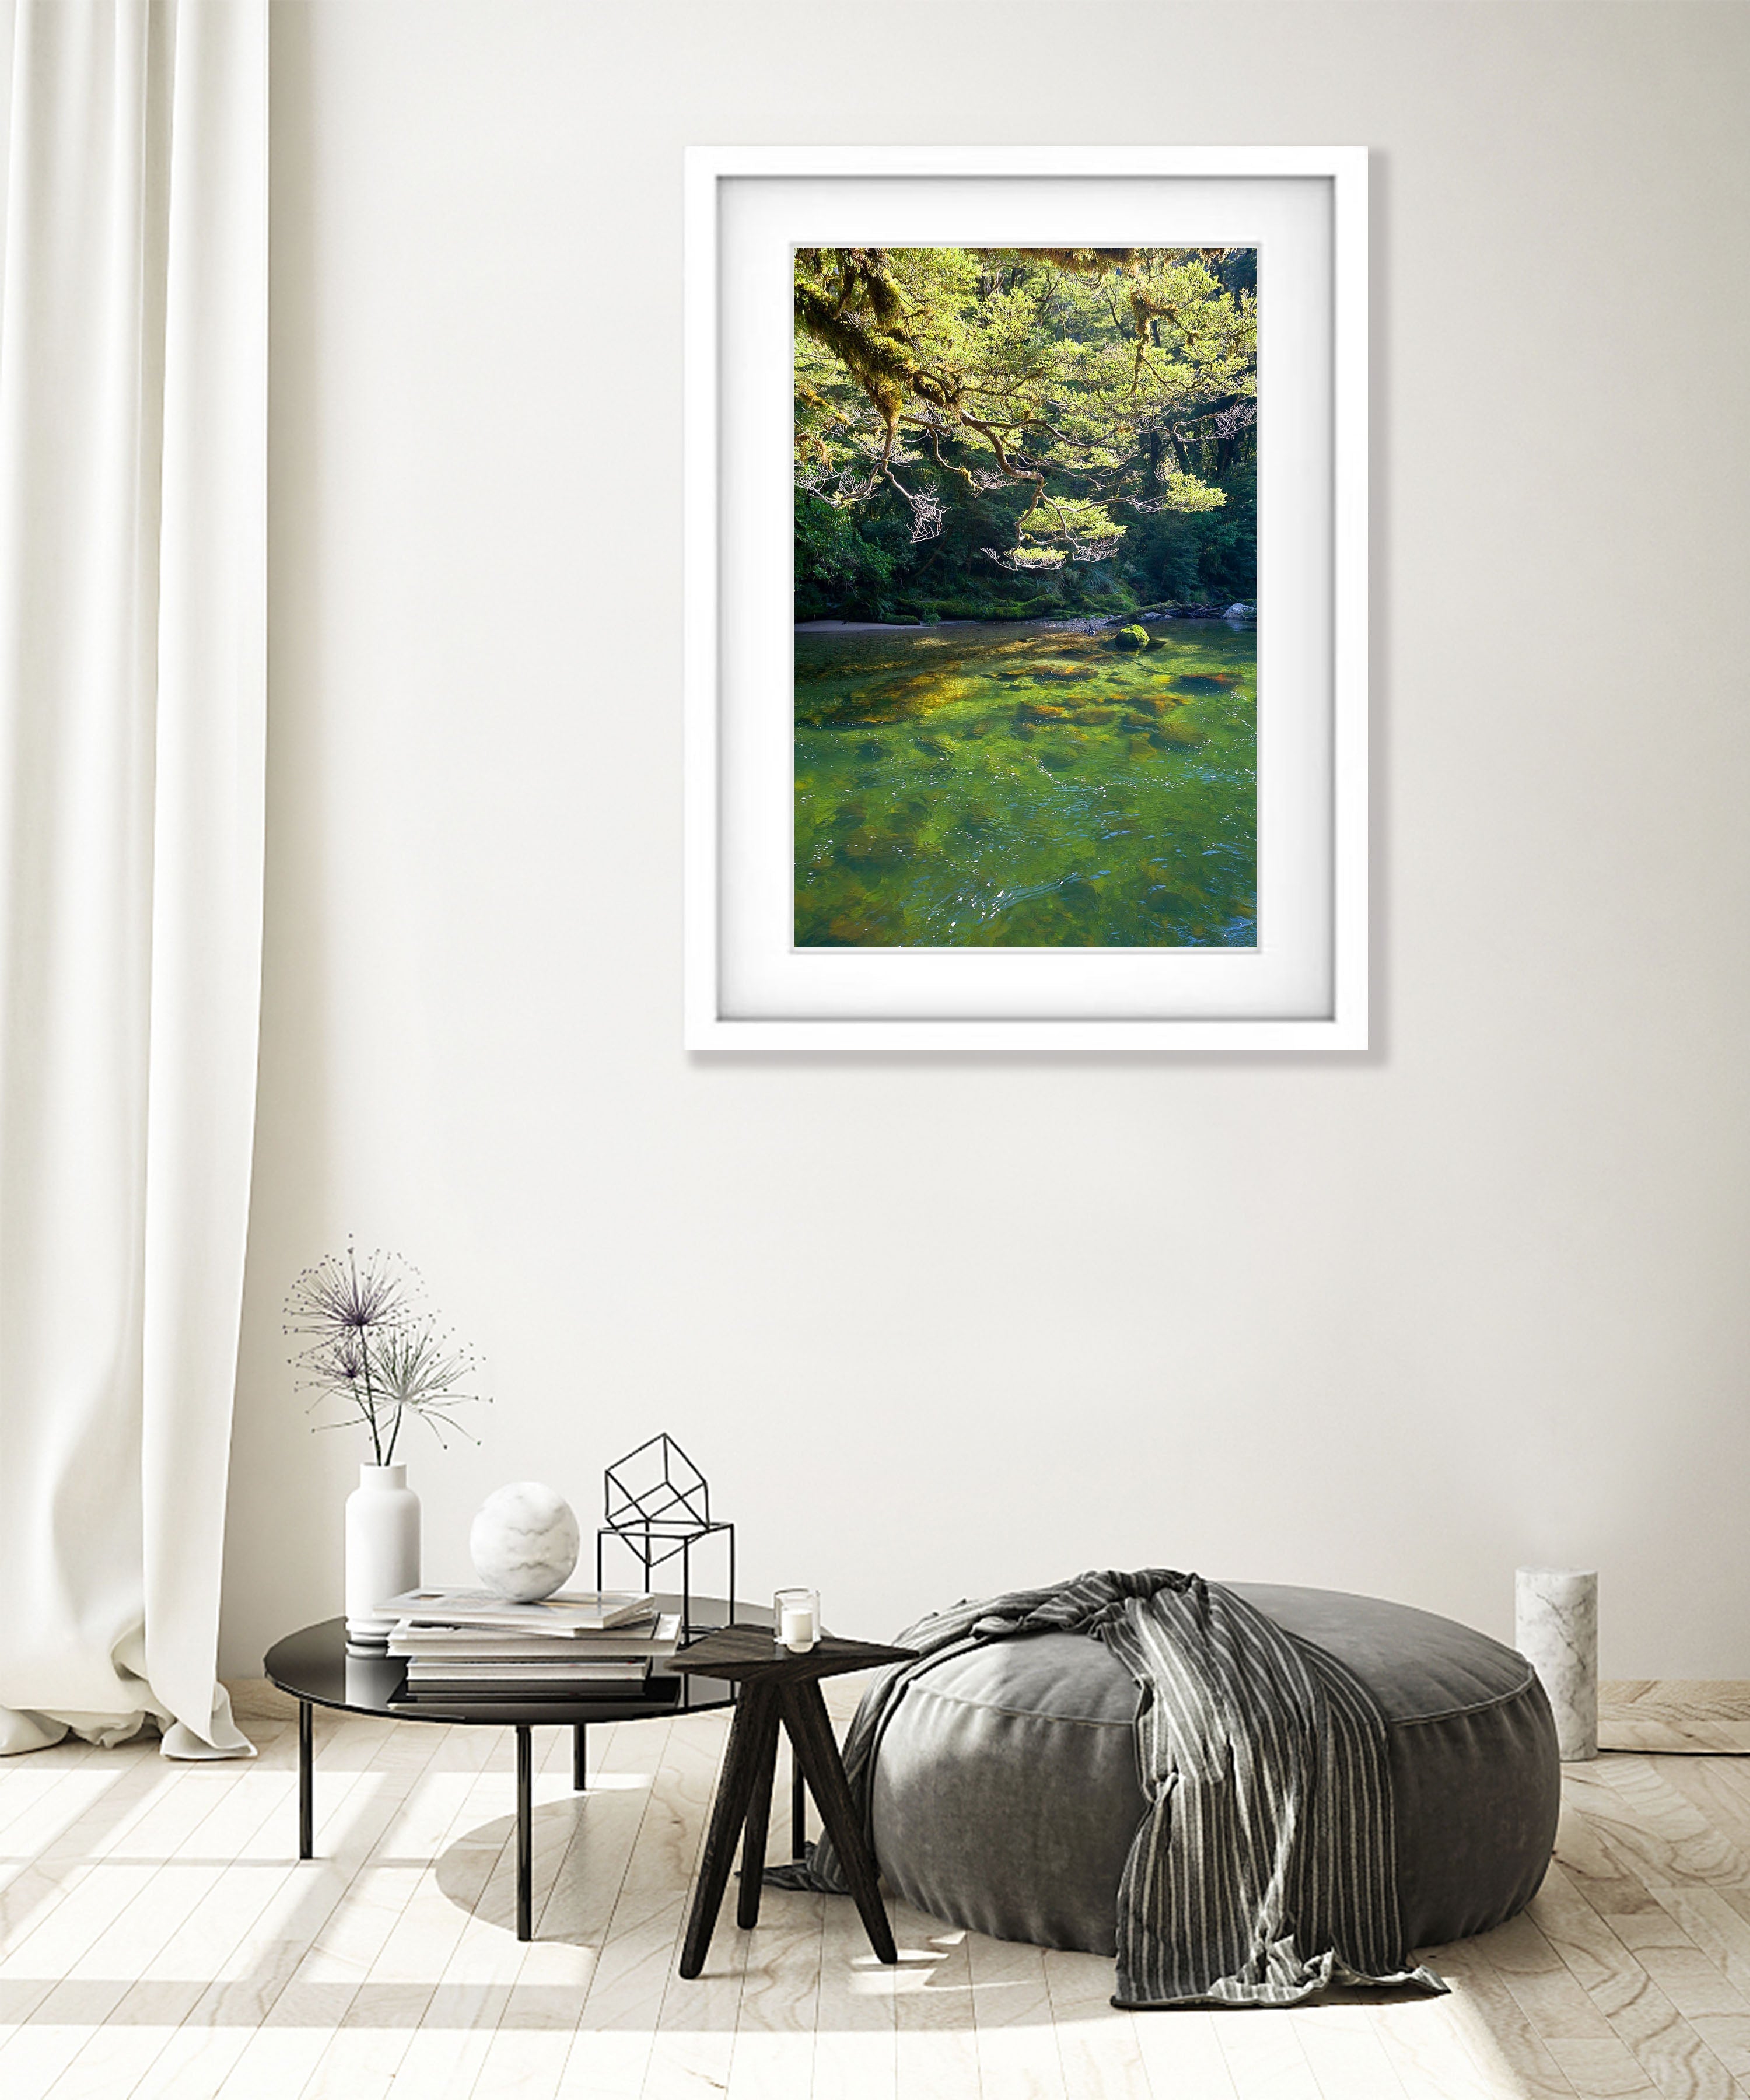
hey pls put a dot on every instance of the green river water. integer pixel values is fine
(997, 784)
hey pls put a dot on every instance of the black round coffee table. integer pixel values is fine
(314, 1667)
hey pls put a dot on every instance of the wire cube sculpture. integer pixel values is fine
(657, 1504)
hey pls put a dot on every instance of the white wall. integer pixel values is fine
(939, 1326)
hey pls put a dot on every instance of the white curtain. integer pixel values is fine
(133, 445)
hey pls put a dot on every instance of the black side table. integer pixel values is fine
(776, 1686)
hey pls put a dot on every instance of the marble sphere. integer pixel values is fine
(524, 1542)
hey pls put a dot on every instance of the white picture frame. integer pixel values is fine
(1305, 986)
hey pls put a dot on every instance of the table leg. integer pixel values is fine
(804, 1713)
(580, 1757)
(729, 1813)
(798, 1809)
(764, 1753)
(306, 1782)
(525, 1834)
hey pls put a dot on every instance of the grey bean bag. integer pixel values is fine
(1006, 1795)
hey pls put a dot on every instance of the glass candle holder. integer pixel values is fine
(795, 1619)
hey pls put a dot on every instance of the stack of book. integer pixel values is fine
(469, 1646)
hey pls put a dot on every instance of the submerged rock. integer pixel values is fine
(1176, 735)
(856, 929)
(1132, 637)
(868, 843)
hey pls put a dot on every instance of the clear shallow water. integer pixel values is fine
(1006, 785)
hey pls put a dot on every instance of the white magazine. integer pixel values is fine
(568, 1612)
(644, 1638)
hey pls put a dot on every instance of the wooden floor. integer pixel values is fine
(159, 1937)
(1674, 1715)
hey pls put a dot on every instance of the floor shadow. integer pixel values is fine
(477, 1870)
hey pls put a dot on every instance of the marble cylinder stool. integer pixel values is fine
(1556, 1629)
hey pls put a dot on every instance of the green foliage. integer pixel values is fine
(978, 430)
(843, 557)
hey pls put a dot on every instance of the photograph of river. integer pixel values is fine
(1025, 576)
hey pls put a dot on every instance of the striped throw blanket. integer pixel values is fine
(1265, 1867)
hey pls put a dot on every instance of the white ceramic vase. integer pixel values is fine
(383, 1550)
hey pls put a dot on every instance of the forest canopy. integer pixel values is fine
(991, 432)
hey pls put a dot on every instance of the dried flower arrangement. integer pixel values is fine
(369, 1342)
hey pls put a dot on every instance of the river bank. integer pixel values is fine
(1089, 623)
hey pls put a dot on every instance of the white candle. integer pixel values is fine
(797, 1633)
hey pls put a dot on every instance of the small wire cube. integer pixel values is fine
(657, 1504)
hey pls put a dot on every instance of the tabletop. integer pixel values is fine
(752, 1655)
(314, 1664)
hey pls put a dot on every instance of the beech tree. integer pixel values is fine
(1061, 392)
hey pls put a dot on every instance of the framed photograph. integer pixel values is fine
(1026, 616)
